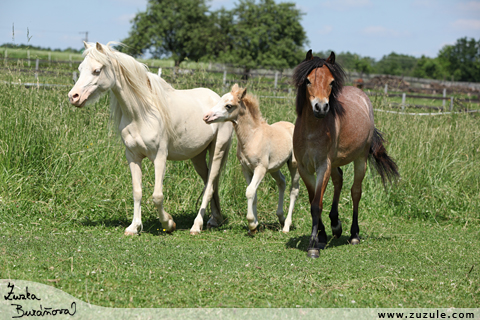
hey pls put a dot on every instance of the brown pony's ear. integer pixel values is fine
(309, 55)
(331, 59)
(99, 47)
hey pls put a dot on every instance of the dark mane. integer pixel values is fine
(303, 70)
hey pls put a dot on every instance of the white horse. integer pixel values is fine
(261, 148)
(158, 122)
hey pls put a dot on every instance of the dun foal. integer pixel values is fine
(261, 148)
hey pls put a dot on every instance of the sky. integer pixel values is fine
(372, 28)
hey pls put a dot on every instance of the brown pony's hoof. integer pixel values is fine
(354, 241)
(313, 253)
(337, 231)
(173, 228)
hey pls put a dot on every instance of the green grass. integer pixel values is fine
(65, 199)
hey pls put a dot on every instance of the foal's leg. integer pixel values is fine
(360, 166)
(280, 179)
(160, 165)
(251, 195)
(337, 179)
(135, 164)
(295, 177)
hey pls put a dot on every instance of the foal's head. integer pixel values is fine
(230, 106)
(318, 83)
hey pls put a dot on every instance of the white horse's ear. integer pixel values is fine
(99, 47)
(86, 45)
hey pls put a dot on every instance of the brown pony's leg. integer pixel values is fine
(360, 166)
(318, 239)
(336, 224)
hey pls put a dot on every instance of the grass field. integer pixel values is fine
(65, 199)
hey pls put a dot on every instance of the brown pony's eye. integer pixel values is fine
(307, 82)
(332, 83)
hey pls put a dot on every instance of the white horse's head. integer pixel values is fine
(228, 108)
(96, 76)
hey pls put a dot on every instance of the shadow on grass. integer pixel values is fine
(301, 243)
(151, 224)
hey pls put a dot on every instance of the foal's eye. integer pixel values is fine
(228, 106)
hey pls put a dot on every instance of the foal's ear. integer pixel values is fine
(242, 94)
(331, 59)
(309, 55)
(86, 45)
(99, 47)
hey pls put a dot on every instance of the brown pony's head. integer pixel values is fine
(319, 82)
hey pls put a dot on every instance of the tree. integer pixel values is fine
(266, 34)
(396, 64)
(179, 28)
(462, 60)
(429, 68)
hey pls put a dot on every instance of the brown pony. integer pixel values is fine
(334, 127)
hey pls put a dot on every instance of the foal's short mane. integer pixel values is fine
(303, 70)
(144, 91)
(251, 103)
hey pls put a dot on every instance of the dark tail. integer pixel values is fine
(379, 159)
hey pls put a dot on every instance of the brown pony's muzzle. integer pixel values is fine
(320, 110)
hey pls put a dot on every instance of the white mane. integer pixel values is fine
(143, 90)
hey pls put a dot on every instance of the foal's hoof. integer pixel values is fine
(337, 231)
(313, 253)
(253, 232)
(174, 227)
(354, 241)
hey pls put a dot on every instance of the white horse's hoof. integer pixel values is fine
(194, 233)
(130, 233)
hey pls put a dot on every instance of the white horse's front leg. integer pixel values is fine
(167, 221)
(251, 195)
(135, 165)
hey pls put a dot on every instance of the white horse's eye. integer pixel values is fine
(97, 71)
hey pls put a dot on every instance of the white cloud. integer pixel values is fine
(380, 31)
(470, 6)
(467, 24)
(344, 5)
(325, 30)
(125, 19)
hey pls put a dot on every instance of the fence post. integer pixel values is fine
(451, 103)
(404, 95)
(36, 68)
(159, 72)
(224, 77)
(444, 96)
(49, 58)
(386, 89)
(70, 58)
(74, 76)
(276, 79)
(28, 57)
